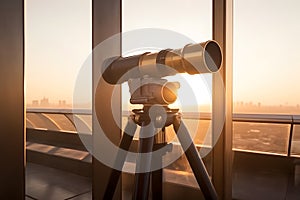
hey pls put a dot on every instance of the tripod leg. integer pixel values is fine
(157, 183)
(157, 175)
(194, 160)
(120, 159)
(142, 180)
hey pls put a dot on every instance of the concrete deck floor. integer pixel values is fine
(45, 183)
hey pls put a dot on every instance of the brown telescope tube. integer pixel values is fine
(198, 58)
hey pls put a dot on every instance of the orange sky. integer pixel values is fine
(266, 40)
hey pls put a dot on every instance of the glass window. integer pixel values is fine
(194, 23)
(57, 41)
(193, 20)
(261, 137)
(266, 56)
(296, 141)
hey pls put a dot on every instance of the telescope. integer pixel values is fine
(198, 58)
(144, 74)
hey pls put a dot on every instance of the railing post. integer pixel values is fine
(291, 138)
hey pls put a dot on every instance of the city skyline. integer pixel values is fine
(238, 107)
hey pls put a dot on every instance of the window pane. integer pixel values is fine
(192, 19)
(57, 42)
(296, 141)
(261, 137)
(266, 56)
(195, 23)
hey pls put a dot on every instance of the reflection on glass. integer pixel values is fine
(296, 141)
(261, 137)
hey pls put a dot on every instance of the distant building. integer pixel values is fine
(62, 103)
(259, 104)
(45, 102)
(35, 103)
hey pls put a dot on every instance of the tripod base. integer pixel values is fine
(146, 145)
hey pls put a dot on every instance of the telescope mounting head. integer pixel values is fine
(151, 90)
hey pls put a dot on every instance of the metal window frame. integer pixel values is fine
(222, 156)
(106, 21)
(12, 117)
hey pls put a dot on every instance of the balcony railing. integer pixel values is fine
(260, 133)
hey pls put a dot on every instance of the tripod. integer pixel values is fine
(147, 144)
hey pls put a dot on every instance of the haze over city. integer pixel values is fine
(265, 58)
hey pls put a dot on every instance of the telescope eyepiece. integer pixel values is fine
(213, 56)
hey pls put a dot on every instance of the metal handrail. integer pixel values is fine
(237, 117)
(59, 111)
(291, 120)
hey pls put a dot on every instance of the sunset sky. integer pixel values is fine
(266, 40)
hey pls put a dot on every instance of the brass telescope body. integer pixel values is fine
(198, 58)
